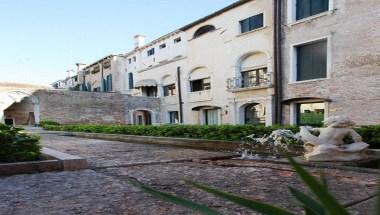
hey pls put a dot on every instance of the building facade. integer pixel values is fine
(255, 62)
(330, 61)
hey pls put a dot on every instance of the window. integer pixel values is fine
(129, 60)
(130, 80)
(252, 23)
(163, 45)
(306, 8)
(173, 117)
(211, 116)
(109, 83)
(203, 30)
(134, 58)
(255, 77)
(150, 52)
(312, 61)
(311, 114)
(151, 91)
(200, 85)
(177, 40)
(254, 114)
(170, 90)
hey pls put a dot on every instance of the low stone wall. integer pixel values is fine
(56, 161)
(74, 107)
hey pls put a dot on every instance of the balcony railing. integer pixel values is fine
(245, 83)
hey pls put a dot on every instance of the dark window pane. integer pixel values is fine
(312, 61)
(252, 23)
(306, 8)
(173, 117)
(169, 90)
(130, 80)
(196, 85)
(203, 30)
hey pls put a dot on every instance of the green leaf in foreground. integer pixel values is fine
(307, 202)
(331, 205)
(251, 204)
(174, 199)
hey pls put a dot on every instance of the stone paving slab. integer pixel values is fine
(81, 192)
(103, 153)
(104, 190)
(266, 184)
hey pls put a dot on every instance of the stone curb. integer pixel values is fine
(57, 161)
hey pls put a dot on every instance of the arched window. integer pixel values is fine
(203, 30)
(254, 114)
(253, 70)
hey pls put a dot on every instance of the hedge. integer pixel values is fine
(213, 132)
(370, 134)
(16, 146)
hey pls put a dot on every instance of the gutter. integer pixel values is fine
(277, 70)
(180, 95)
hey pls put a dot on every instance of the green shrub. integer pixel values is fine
(370, 134)
(16, 146)
(48, 122)
(213, 132)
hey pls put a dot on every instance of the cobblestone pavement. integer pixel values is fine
(104, 189)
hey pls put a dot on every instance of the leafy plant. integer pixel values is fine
(324, 204)
(16, 146)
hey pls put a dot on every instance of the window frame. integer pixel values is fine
(150, 52)
(291, 15)
(293, 59)
(177, 40)
(203, 86)
(249, 20)
(176, 117)
(170, 90)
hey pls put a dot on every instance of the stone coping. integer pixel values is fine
(214, 145)
(56, 161)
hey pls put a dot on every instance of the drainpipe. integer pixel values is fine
(277, 52)
(180, 95)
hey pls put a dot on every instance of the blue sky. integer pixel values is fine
(41, 39)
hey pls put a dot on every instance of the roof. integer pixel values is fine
(188, 26)
(212, 15)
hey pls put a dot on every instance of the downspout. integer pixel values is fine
(180, 95)
(277, 52)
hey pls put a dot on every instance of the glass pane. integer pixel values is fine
(255, 114)
(211, 117)
(311, 114)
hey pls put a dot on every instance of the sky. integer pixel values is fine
(41, 39)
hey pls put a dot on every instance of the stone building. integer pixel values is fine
(255, 62)
(331, 60)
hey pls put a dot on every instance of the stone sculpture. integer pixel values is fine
(329, 144)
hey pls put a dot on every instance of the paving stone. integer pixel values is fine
(106, 190)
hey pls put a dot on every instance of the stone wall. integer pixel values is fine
(72, 107)
(352, 84)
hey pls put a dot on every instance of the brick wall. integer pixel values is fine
(353, 28)
(70, 107)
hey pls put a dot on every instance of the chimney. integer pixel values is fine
(139, 41)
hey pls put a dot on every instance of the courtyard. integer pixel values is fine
(103, 187)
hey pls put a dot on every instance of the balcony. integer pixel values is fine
(200, 96)
(241, 84)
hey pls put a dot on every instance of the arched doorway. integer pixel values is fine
(254, 114)
(142, 117)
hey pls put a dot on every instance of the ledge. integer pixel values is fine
(56, 161)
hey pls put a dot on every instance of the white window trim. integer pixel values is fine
(291, 13)
(254, 30)
(293, 60)
(293, 110)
